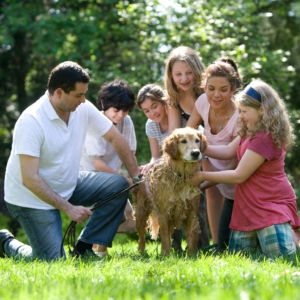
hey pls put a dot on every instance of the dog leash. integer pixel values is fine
(70, 233)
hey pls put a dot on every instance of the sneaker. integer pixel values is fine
(5, 235)
(101, 253)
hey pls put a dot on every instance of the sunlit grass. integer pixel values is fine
(126, 274)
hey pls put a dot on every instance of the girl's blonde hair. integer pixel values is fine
(152, 91)
(275, 119)
(190, 57)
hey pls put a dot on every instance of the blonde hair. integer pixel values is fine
(190, 57)
(275, 119)
(152, 91)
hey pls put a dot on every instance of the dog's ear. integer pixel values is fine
(170, 145)
(203, 141)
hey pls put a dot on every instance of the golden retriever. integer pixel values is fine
(173, 202)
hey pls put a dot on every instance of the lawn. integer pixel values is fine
(126, 274)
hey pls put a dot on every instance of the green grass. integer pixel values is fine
(126, 274)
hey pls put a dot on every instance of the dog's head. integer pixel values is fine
(185, 144)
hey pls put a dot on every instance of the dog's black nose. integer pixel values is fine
(195, 153)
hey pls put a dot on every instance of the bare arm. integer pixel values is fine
(247, 166)
(101, 166)
(223, 151)
(155, 149)
(195, 119)
(121, 146)
(207, 184)
(155, 153)
(32, 181)
(174, 119)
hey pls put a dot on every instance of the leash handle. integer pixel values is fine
(70, 236)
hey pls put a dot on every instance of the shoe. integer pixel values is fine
(101, 253)
(176, 240)
(5, 235)
(89, 253)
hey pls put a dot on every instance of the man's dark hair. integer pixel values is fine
(65, 76)
(117, 94)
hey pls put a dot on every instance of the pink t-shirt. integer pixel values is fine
(224, 137)
(266, 198)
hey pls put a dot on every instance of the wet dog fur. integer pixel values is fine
(172, 201)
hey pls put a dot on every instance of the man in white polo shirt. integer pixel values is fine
(42, 175)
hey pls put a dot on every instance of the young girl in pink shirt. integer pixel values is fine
(265, 210)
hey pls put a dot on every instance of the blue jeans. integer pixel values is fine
(44, 227)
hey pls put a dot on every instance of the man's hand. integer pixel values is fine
(79, 214)
(129, 179)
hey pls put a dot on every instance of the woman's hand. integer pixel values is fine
(196, 179)
(144, 169)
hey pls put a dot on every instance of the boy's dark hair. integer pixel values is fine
(65, 76)
(117, 94)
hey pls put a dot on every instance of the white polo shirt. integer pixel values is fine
(39, 132)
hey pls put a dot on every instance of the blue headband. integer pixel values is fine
(250, 91)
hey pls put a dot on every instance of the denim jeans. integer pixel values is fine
(44, 227)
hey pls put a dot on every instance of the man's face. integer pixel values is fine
(70, 101)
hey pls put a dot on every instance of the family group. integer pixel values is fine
(66, 156)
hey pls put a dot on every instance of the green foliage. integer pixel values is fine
(131, 40)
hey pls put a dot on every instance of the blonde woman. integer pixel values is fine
(183, 77)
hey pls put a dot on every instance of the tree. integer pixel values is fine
(131, 40)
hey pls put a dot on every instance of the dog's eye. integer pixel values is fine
(197, 141)
(183, 141)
